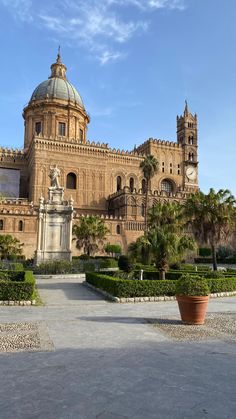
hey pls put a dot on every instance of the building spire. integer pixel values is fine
(59, 55)
(58, 69)
(186, 111)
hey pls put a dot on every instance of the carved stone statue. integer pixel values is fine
(54, 174)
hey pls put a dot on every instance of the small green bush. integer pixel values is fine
(192, 286)
(125, 264)
(15, 290)
(108, 263)
(54, 267)
(204, 251)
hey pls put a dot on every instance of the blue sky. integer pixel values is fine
(134, 62)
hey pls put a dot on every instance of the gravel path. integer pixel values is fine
(18, 337)
(220, 326)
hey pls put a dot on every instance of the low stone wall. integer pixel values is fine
(148, 299)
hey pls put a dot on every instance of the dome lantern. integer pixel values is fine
(58, 69)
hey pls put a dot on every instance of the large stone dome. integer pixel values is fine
(57, 88)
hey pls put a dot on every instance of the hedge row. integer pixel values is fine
(16, 290)
(12, 275)
(123, 288)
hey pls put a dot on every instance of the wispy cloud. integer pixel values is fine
(101, 27)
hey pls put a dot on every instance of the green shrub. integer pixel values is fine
(204, 251)
(222, 285)
(192, 286)
(130, 288)
(214, 274)
(108, 263)
(125, 264)
(15, 290)
(12, 275)
(124, 288)
(114, 249)
(54, 267)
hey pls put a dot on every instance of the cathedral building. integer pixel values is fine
(101, 180)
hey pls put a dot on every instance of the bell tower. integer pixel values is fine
(187, 137)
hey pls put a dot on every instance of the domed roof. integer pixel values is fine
(59, 88)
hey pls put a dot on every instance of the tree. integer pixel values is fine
(113, 249)
(165, 239)
(165, 245)
(139, 250)
(9, 246)
(149, 167)
(90, 233)
(211, 217)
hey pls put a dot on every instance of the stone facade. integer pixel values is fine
(100, 180)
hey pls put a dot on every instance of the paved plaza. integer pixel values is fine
(86, 358)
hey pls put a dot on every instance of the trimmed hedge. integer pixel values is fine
(12, 275)
(124, 288)
(16, 290)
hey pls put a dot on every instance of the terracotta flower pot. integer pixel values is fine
(192, 309)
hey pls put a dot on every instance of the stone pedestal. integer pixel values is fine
(54, 227)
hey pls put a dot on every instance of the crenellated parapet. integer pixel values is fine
(145, 148)
(105, 217)
(14, 153)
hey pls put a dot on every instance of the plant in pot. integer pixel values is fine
(192, 294)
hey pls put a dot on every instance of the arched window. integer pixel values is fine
(142, 210)
(131, 184)
(118, 183)
(118, 229)
(167, 186)
(190, 139)
(71, 181)
(191, 157)
(20, 225)
(1, 224)
(143, 185)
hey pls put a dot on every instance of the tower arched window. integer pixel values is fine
(131, 184)
(191, 157)
(118, 183)
(1, 224)
(190, 140)
(118, 229)
(71, 181)
(143, 185)
(167, 186)
(38, 127)
(20, 225)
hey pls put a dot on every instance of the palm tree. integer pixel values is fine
(90, 232)
(9, 246)
(165, 244)
(149, 167)
(211, 217)
(165, 239)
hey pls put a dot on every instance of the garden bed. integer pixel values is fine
(17, 287)
(146, 289)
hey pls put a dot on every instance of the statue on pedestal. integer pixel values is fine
(54, 174)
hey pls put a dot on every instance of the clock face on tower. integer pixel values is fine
(191, 173)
